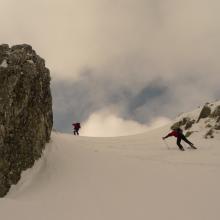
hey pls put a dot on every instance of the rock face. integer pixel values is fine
(216, 113)
(26, 117)
(186, 122)
(206, 111)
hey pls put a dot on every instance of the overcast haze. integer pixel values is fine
(132, 61)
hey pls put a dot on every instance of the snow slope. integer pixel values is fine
(124, 178)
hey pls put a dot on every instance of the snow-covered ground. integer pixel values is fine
(124, 178)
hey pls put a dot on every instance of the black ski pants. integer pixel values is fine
(76, 131)
(182, 137)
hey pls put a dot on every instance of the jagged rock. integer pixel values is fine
(208, 126)
(216, 112)
(188, 133)
(179, 123)
(189, 124)
(25, 111)
(205, 112)
(210, 134)
(217, 126)
(185, 121)
(176, 125)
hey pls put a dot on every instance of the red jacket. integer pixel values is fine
(76, 125)
(174, 133)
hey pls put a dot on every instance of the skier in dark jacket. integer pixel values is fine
(76, 127)
(178, 133)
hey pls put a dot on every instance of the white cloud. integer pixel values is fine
(150, 37)
(106, 124)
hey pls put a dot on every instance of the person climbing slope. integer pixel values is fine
(178, 133)
(76, 127)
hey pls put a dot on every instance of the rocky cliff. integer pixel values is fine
(25, 111)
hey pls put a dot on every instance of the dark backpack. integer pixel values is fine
(78, 125)
(179, 130)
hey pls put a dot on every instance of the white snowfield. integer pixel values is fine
(122, 178)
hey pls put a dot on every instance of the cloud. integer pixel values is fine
(78, 100)
(105, 124)
(156, 37)
(144, 58)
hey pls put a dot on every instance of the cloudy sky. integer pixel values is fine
(121, 66)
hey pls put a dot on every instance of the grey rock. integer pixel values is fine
(217, 126)
(210, 134)
(188, 133)
(216, 112)
(179, 123)
(4, 49)
(26, 116)
(185, 121)
(208, 126)
(189, 124)
(205, 112)
(176, 125)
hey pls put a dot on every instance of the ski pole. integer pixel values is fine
(166, 144)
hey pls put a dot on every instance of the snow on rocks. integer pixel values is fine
(4, 64)
(206, 121)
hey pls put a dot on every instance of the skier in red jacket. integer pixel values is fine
(76, 127)
(178, 133)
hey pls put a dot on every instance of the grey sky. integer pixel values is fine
(139, 58)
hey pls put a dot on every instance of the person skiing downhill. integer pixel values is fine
(76, 127)
(178, 133)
